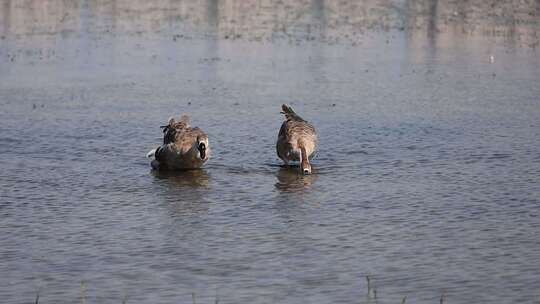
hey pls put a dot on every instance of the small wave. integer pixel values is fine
(499, 156)
(358, 152)
(9, 140)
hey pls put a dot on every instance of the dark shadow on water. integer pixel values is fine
(432, 29)
(212, 12)
(318, 11)
(290, 179)
(6, 17)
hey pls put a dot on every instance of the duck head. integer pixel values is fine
(305, 166)
(202, 147)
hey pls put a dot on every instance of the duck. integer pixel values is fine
(297, 140)
(183, 147)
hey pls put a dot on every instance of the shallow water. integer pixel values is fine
(426, 179)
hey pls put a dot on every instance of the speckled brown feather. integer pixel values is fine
(294, 135)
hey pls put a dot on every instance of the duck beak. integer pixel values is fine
(306, 168)
(202, 150)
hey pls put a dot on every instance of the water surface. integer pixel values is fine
(426, 179)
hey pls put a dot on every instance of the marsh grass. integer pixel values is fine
(83, 292)
(371, 291)
(371, 294)
(37, 298)
(443, 298)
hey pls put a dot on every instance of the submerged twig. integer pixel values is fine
(83, 293)
(372, 292)
(443, 297)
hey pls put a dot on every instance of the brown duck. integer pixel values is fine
(183, 147)
(297, 140)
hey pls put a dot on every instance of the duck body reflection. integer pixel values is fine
(288, 180)
(183, 192)
(194, 178)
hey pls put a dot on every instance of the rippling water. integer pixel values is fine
(427, 176)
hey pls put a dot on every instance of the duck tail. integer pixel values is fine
(184, 122)
(289, 113)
